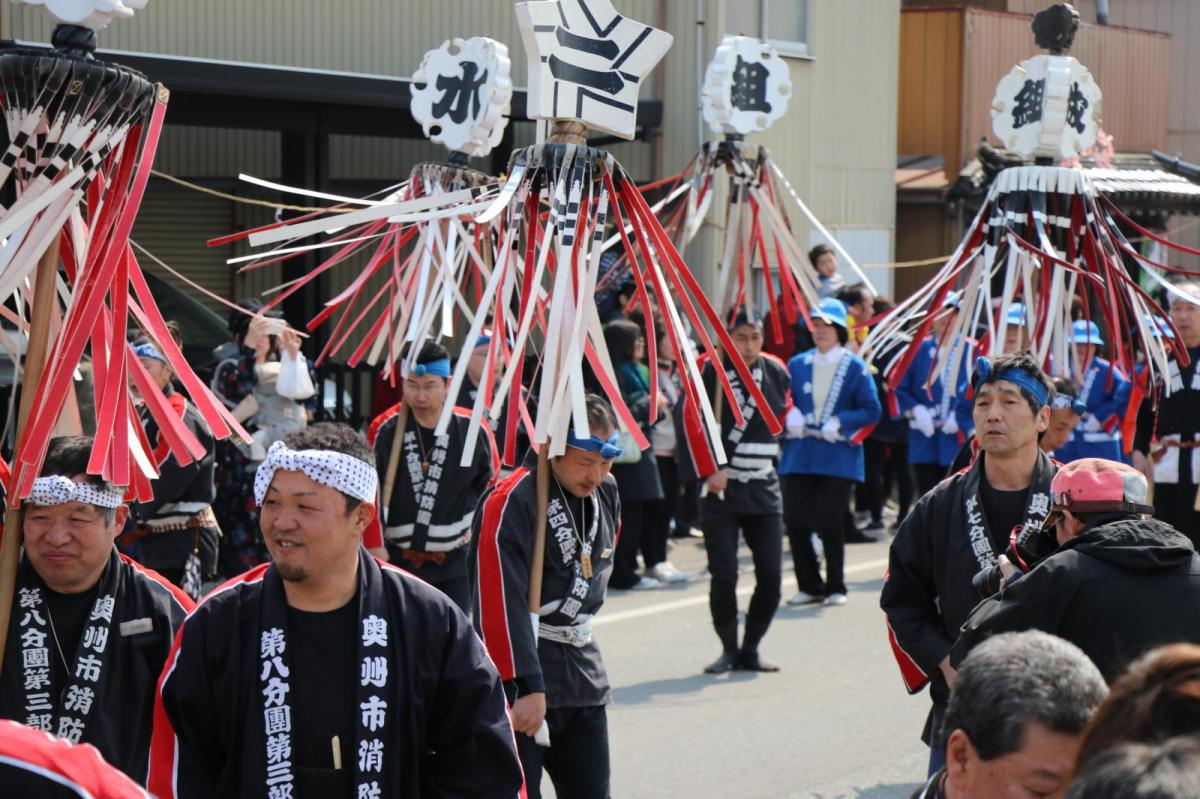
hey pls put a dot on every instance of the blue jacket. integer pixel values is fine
(941, 448)
(852, 399)
(1106, 405)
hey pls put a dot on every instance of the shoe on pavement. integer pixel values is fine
(666, 572)
(873, 528)
(724, 664)
(857, 537)
(803, 598)
(836, 599)
(645, 584)
(750, 660)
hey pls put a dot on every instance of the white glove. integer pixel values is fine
(950, 426)
(794, 423)
(1091, 424)
(831, 429)
(922, 421)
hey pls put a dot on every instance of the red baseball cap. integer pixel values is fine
(1096, 485)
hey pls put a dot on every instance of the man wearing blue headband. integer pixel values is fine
(985, 516)
(176, 533)
(552, 671)
(431, 496)
(511, 453)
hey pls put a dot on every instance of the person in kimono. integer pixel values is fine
(426, 521)
(91, 629)
(987, 517)
(741, 496)
(176, 532)
(326, 672)
(553, 674)
(1104, 391)
(834, 408)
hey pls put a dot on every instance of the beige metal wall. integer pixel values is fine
(836, 144)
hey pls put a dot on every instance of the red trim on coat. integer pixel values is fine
(493, 607)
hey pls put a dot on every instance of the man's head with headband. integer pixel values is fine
(426, 383)
(317, 491)
(1011, 405)
(1065, 410)
(587, 462)
(71, 518)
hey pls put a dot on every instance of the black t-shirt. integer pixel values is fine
(1004, 511)
(324, 651)
(67, 615)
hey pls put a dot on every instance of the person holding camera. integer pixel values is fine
(1119, 584)
(987, 515)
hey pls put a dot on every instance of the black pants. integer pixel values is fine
(870, 496)
(896, 471)
(577, 758)
(662, 511)
(636, 518)
(764, 536)
(814, 503)
(1175, 504)
(689, 514)
(927, 475)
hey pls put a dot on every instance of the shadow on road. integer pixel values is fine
(643, 692)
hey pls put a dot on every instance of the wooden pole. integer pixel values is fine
(393, 465)
(44, 297)
(538, 556)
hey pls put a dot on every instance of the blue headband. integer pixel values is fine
(148, 350)
(607, 449)
(1063, 401)
(438, 368)
(482, 340)
(984, 374)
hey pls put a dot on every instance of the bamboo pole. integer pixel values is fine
(538, 556)
(44, 297)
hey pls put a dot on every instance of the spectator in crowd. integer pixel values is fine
(834, 408)
(1103, 392)
(825, 261)
(1170, 770)
(1167, 436)
(961, 527)
(636, 472)
(1109, 585)
(860, 309)
(260, 340)
(1015, 717)
(664, 516)
(176, 532)
(1157, 697)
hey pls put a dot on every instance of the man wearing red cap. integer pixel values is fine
(1119, 584)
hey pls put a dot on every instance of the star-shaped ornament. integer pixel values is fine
(586, 62)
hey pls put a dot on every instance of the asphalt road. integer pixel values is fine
(836, 722)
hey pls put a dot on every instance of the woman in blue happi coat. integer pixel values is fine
(940, 418)
(834, 408)
(1104, 391)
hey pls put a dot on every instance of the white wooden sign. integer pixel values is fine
(746, 88)
(461, 94)
(1048, 106)
(94, 14)
(586, 62)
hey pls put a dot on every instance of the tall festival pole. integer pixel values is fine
(81, 139)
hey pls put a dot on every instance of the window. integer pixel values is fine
(784, 25)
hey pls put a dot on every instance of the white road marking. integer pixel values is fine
(692, 601)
